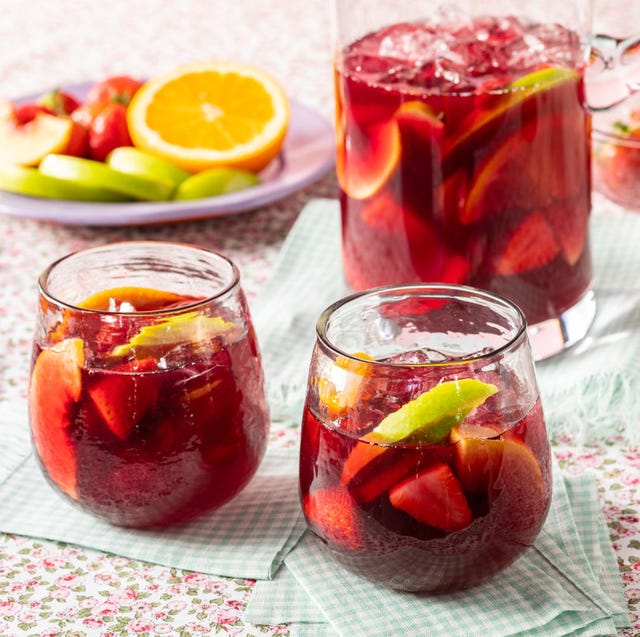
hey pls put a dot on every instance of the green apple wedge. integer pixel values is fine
(133, 161)
(97, 174)
(429, 418)
(214, 182)
(29, 181)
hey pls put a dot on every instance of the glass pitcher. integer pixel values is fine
(463, 149)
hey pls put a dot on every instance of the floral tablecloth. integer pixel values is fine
(49, 588)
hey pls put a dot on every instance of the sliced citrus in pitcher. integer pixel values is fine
(210, 114)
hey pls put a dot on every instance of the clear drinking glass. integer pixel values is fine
(146, 400)
(463, 151)
(424, 461)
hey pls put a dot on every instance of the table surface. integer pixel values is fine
(49, 588)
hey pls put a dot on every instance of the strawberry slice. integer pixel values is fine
(532, 244)
(370, 470)
(56, 383)
(433, 497)
(569, 220)
(122, 397)
(332, 515)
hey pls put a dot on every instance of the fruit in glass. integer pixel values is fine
(463, 157)
(147, 402)
(424, 461)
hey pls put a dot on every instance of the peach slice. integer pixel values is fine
(484, 459)
(56, 383)
(27, 144)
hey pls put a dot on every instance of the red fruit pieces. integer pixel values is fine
(530, 245)
(434, 497)
(332, 515)
(56, 383)
(370, 470)
(123, 396)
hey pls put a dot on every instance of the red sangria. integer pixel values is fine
(463, 157)
(147, 401)
(424, 461)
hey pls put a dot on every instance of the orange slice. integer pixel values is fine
(210, 114)
(140, 298)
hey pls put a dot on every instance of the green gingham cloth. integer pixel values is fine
(247, 538)
(568, 584)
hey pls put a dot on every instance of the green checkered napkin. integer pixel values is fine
(567, 585)
(590, 392)
(247, 537)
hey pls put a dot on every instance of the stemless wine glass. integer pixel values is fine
(424, 463)
(147, 401)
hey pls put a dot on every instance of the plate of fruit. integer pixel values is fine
(202, 140)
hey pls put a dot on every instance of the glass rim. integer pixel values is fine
(233, 282)
(464, 290)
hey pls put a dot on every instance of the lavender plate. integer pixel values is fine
(307, 155)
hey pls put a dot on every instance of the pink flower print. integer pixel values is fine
(142, 607)
(68, 581)
(195, 627)
(162, 629)
(176, 605)
(630, 479)
(235, 603)
(589, 460)
(59, 593)
(7, 607)
(195, 579)
(140, 626)
(105, 609)
(88, 602)
(53, 562)
(123, 596)
(27, 617)
(92, 622)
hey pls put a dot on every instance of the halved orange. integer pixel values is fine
(210, 114)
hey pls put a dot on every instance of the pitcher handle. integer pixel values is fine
(614, 71)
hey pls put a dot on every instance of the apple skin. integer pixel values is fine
(97, 174)
(29, 181)
(214, 182)
(26, 144)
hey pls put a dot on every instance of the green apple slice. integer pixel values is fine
(156, 340)
(134, 161)
(430, 417)
(97, 174)
(28, 181)
(215, 182)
